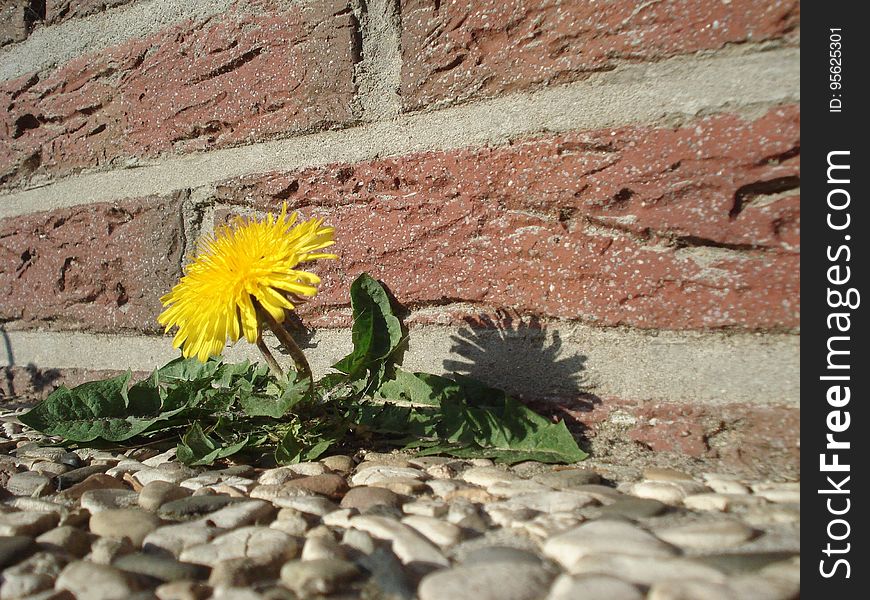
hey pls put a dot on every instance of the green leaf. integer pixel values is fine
(510, 432)
(98, 409)
(267, 405)
(144, 396)
(376, 330)
(227, 373)
(297, 445)
(197, 448)
(474, 421)
(182, 394)
(188, 369)
(317, 450)
(290, 448)
(416, 388)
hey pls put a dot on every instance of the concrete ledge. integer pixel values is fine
(563, 361)
(668, 92)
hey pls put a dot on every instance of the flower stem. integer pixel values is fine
(270, 358)
(289, 343)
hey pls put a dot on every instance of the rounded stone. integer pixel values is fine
(133, 524)
(663, 491)
(509, 554)
(178, 537)
(364, 497)
(276, 476)
(438, 532)
(104, 550)
(159, 567)
(15, 548)
(551, 502)
(68, 539)
(28, 483)
(97, 481)
(93, 581)
(495, 581)
(632, 508)
(262, 543)
(22, 585)
(241, 572)
(665, 474)
(193, 506)
(567, 587)
(50, 469)
(183, 590)
(321, 576)
(706, 534)
(33, 575)
(645, 570)
(27, 523)
(99, 500)
(316, 548)
(157, 493)
(597, 537)
(486, 476)
(308, 469)
(339, 463)
(71, 478)
(690, 590)
(407, 544)
(330, 485)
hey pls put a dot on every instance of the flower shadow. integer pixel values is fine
(521, 356)
(38, 381)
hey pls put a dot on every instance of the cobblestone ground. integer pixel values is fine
(98, 524)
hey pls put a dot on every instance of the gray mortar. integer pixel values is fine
(672, 91)
(567, 359)
(48, 47)
(378, 73)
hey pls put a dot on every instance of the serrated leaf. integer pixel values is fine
(401, 421)
(266, 405)
(97, 409)
(182, 394)
(225, 375)
(510, 432)
(479, 421)
(317, 450)
(416, 388)
(196, 448)
(376, 331)
(290, 448)
(188, 369)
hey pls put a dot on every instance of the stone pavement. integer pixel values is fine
(101, 525)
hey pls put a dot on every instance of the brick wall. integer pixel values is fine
(608, 192)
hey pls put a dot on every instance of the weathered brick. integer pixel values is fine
(17, 18)
(101, 267)
(232, 79)
(686, 228)
(760, 440)
(61, 10)
(460, 49)
(22, 383)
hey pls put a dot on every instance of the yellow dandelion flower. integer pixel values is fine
(245, 265)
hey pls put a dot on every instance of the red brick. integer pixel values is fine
(100, 267)
(57, 11)
(454, 50)
(22, 383)
(229, 80)
(756, 440)
(639, 226)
